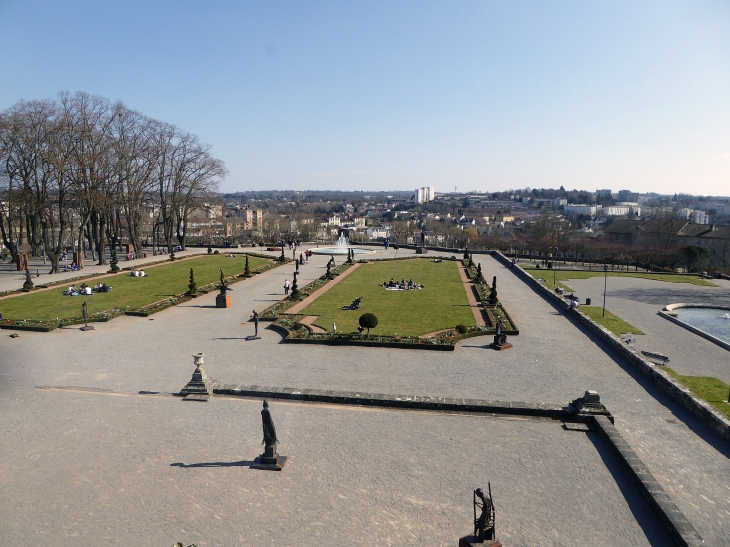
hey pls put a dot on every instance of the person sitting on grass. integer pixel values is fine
(71, 291)
(97, 287)
(142, 273)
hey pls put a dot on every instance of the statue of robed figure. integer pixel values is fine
(269, 459)
(269, 429)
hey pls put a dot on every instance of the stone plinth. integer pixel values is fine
(269, 460)
(223, 301)
(200, 386)
(473, 541)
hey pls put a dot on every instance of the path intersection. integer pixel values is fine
(94, 449)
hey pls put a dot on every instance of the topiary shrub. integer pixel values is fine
(246, 269)
(210, 249)
(192, 286)
(368, 321)
(461, 329)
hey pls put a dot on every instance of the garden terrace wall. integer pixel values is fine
(679, 392)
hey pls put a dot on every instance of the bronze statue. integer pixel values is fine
(484, 523)
(223, 287)
(84, 314)
(269, 457)
(255, 323)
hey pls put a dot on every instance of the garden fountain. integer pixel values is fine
(341, 247)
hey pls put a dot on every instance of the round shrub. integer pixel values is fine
(368, 321)
(461, 329)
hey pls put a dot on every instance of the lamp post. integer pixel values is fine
(605, 283)
(555, 267)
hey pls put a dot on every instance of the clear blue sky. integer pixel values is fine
(393, 95)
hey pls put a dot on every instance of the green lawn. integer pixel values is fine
(710, 389)
(441, 304)
(161, 282)
(564, 275)
(612, 322)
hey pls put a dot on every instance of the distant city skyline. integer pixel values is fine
(481, 96)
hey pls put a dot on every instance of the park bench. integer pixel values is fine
(656, 356)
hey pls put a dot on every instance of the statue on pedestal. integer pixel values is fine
(269, 459)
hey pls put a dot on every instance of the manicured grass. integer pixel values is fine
(612, 322)
(563, 275)
(710, 389)
(441, 304)
(163, 281)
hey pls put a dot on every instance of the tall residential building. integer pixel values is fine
(425, 194)
(254, 219)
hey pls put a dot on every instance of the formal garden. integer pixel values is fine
(396, 302)
(165, 284)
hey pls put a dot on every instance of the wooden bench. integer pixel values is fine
(656, 356)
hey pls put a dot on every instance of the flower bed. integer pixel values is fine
(302, 334)
(496, 312)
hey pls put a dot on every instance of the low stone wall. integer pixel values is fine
(665, 509)
(680, 393)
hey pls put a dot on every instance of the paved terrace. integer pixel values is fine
(119, 450)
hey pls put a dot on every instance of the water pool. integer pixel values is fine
(714, 321)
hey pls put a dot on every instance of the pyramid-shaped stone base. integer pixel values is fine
(200, 386)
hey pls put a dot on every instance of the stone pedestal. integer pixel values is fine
(200, 386)
(500, 343)
(21, 261)
(473, 541)
(269, 460)
(223, 301)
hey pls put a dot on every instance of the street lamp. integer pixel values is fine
(605, 283)
(555, 267)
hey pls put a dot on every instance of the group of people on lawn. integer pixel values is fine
(84, 289)
(402, 286)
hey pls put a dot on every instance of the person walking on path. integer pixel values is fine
(286, 286)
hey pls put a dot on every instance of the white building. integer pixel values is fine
(425, 194)
(699, 217)
(580, 209)
(616, 210)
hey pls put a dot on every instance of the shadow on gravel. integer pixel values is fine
(670, 295)
(656, 534)
(242, 463)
